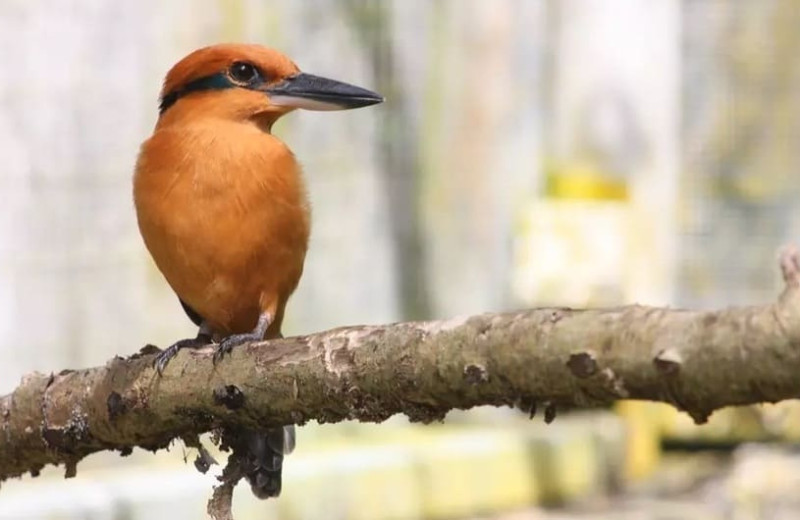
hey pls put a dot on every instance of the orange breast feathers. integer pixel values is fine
(223, 211)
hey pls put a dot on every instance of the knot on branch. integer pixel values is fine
(115, 405)
(668, 361)
(229, 396)
(475, 374)
(582, 364)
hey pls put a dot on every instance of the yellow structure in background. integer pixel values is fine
(584, 181)
(643, 423)
(461, 469)
(575, 245)
(648, 425)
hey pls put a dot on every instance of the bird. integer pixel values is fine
(222, 206)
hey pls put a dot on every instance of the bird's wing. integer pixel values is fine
(193, 315)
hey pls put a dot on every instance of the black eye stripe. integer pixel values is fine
(218, 81)
(240, 74)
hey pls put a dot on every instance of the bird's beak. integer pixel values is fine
(316, 93)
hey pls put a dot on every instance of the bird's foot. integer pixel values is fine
(227, 344)
(163, 358)
(234, 340)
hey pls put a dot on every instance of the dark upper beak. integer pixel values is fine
(316, 93)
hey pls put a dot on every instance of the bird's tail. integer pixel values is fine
(264, 460)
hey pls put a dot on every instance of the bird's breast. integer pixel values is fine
(224, 213)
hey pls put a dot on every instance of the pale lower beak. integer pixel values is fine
(317, 93)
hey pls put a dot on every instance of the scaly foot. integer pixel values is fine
(164, 357)
(234, 340)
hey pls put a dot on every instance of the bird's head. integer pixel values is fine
(251, 83)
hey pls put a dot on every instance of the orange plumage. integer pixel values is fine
(220, 201)
(223, 211)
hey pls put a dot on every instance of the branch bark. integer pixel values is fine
(697, 361)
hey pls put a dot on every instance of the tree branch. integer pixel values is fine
(697, 361)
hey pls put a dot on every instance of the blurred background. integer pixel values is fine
(530, 152)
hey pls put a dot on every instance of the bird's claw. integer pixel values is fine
(228, 344)
(163, 358)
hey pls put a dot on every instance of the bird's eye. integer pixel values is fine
(243, 72)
